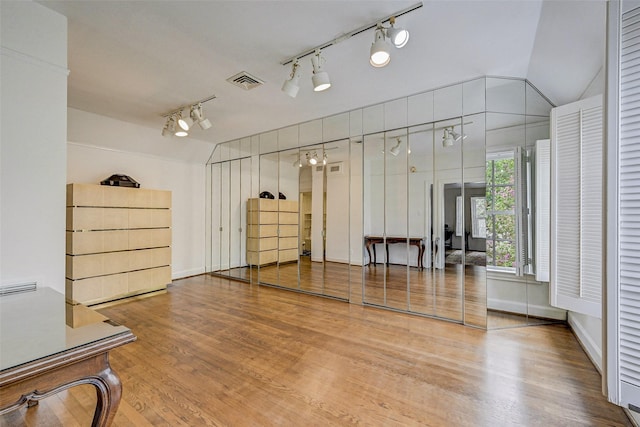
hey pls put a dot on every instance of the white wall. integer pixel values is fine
(88, 163)
(33, 144)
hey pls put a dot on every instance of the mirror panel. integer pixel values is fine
(475, 289)
(506, 289)
(262, 240)
(312, 179)
(373, 219)
(448, 219)
(288, 218)
(216, 171)
(355, 221)
(225, 215)
(337, 214)
(420, 182)
(505, 95)
(396, 245)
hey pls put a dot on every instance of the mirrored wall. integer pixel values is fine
(423, 205)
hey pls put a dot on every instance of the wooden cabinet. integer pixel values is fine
(272, 231)
(118, 242)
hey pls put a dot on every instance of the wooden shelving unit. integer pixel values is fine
(118, 242)
(272, 231)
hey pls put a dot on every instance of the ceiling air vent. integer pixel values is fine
(245, 80)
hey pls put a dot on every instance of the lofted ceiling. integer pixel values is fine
(135, 60)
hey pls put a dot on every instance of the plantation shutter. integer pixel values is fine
(576, 207)
(543, 200)
(629, 210)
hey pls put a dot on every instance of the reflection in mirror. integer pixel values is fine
(422, 291)
(355, 221)
(506, 282)
(262, 238)
(336, 262)
(288, 218)
(448, 220)
(312, 189)
(397, 247)
(373, 220)
(474, 220)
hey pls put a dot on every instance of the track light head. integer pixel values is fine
(324, 158)
(398, 36)
(184, 122)
(197, 116)
(379, 53)
(297, 163)
(291, 86)
(320, 77)
(455, 135)
(313, 159)
(447, 139)
(395, 150)
(169, 127)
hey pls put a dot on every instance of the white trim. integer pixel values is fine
(611, 355)
(588, 344)
(138, 153)
(187, 273)
(521, 307)
(23, 57)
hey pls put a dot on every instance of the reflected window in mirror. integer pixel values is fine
(500, 211)
(478, 217)
(508, 211)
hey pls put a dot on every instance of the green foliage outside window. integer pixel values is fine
(501, 220)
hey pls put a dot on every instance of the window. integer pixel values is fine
(459, 216)
(478, 217)
(500, 212)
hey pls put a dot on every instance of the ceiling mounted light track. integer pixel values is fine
(379, 53)
(179, 125)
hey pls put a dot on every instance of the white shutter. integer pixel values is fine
(543, 200)
(521, 209)
(576, 207)
(629, 210)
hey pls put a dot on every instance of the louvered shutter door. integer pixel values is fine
(543, 200)
(629, 210)
(576, 207)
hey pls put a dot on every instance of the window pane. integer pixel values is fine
(501, 227)
(504, 171)
(505, 199)
(505, 254)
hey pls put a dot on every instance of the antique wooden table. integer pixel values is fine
(48, 345)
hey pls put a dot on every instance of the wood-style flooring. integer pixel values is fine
(214, 351)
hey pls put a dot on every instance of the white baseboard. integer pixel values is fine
(186, 273)
(546, 312)
(590, 347)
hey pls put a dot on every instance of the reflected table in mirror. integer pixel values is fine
(48, 345)
(371, 241)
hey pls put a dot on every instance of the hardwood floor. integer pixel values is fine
(213, 351)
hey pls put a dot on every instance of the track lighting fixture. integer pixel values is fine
(292, 85)
(179, 125)
(447, 139)
(197, 116)
(395, 150)
(312, 159)
(324, 159)
(169, 127)
(297, 163)
(450, 136)
(398, 36)
(380, 53)
(320, 77)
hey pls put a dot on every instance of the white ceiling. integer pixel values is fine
(135, 60)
